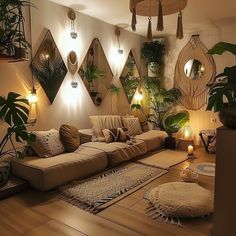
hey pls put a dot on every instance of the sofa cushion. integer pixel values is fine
(114, 135)
(86, 135)
(133, 126)
(118, 152)
(105, 122)
(47, 173)
(153, 138)
(69, 136)
(47, 143)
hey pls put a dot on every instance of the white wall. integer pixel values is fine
(72, 106)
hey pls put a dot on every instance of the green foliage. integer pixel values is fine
(161, 100)
(153, 52)
(12, 32)
(173, 122)
(224, 86)
(14, 110)
(114, 89)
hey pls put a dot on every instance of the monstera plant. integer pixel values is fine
(222, 93)
(172, 123)
(14, 110)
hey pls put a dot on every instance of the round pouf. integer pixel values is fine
(176, 200)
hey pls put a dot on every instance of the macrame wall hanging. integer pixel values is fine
(158, 8)
(194, 70)
(72, 62)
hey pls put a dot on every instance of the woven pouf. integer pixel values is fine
(172, 201)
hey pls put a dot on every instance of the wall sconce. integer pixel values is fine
(117, 33)
(72, 17)
(72, 62)
(139, 96)
(32, 96)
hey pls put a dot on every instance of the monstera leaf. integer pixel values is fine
(14, 109)
(222, 47)
(173, 122)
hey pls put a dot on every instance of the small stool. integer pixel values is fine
(184, 143)
(208, 136)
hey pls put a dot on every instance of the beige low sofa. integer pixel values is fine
(90, 158)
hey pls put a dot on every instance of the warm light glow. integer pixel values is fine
(187, 132)
(32, 97)
(190, 150)
(138, 96)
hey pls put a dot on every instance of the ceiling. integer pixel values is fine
(198, 15)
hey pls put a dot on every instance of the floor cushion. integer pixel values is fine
(179, 200)
(118, 152)
(153, 138)
(47, 173)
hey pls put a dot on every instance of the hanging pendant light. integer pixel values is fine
(117, 33)
(160, 8)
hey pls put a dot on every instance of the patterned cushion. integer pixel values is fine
(47, 143)
(114, 135)
(133, 126)
(70, 138)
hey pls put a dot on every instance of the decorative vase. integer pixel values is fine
(4, 172)
(228, 116)
(170, 143)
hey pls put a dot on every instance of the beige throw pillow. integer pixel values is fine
(70, 138)
(47, 143)
(132, 125)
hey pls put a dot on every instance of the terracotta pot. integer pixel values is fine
(4, 172)
(228, 116)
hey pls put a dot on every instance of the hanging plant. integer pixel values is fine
(12, 32)
(114, 89)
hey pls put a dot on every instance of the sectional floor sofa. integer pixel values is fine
(90, 158)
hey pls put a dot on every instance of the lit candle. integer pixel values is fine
(190, 150)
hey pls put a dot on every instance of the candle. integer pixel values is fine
(190, 150)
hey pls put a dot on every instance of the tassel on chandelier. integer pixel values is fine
(149, 32)
(160, 25)
(134, 20)
(179, 33)
(157, 8)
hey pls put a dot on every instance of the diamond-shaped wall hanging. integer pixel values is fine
(48, 67)
(130, 77)
(96, 72)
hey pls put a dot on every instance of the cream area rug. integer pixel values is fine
(204, 168)
(98, 192)
(165, 159)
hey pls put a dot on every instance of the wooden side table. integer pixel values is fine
(184, 143)
(13, 186)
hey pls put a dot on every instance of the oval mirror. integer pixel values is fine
(194, 69)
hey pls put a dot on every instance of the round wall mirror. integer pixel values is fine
(194, 69)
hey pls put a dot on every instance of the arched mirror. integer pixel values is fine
(96, 73)
(195, 68)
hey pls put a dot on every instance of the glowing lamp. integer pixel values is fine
(139, 96)
(187, 132)
(32, 97)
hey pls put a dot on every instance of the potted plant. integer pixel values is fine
(222, 93)
(12, 33)
(172, 123)
(14, 110)
(153, 54)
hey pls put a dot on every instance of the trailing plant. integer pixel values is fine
(153, 54)
(12, 32)
(224, 86)
(14, 110)
(174, 121)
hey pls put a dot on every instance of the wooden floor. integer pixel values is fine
(40, 214)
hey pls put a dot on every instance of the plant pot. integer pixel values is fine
(170, 143)
(228, 116)
(4, 172)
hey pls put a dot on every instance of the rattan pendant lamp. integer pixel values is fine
(158, 8)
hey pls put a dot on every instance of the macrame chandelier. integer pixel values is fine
(158, 8)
